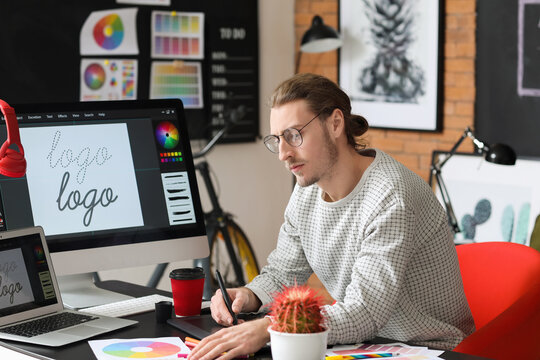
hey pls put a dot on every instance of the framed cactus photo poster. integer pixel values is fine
(491, 202)
(391, 61)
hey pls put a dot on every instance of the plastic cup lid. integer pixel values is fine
(187, 273)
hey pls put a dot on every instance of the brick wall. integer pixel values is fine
(413, 148)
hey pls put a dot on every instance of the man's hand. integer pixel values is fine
(242, 299)
(231, 342)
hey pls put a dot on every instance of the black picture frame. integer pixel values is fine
(396, 82)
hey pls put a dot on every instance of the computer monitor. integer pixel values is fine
(112, 184)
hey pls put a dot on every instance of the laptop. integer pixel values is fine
(31, 308)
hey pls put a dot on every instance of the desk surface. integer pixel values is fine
(146, 328)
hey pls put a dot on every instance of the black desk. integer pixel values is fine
(146, 328)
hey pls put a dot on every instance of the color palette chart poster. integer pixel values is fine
(177, 35)
(142, 348)
(110, 32)
(177, 79)
(104, 79)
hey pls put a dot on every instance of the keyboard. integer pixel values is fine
(47, 324)
(127, 307)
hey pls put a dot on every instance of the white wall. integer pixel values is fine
(255, 186)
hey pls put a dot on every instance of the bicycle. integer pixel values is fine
(230, 250)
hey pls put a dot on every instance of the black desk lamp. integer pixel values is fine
(497, 153)
(318, 38)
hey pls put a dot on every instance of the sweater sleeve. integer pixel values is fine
(287, 264)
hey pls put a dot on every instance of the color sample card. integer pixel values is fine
(110, 32)
(178, 80)
(391, 351)
(177, 35)
(104, 79)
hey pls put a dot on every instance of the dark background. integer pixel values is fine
(40, 57)
(502, 116)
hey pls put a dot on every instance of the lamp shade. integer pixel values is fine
(501, 154)
(320, 37)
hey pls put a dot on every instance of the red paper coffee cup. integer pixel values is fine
(187, 288)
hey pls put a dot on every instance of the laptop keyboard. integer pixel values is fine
(127, 307)
(47, 324)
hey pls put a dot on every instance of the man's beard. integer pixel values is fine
(329, 162)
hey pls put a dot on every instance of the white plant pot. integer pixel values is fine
(287, 346)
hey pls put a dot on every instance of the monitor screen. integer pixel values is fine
(112, 184)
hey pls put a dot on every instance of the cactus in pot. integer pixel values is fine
(297, 309)
(297, 329)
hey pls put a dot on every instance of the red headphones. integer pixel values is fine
(12, 162)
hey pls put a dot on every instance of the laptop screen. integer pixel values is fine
(25, 278)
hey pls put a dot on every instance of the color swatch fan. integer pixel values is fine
(167, 135)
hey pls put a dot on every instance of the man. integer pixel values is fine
(369, 228)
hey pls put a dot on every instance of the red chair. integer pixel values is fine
(495, 275)
(514, 334)
(502, 285)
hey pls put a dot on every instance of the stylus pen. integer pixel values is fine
(226, 297)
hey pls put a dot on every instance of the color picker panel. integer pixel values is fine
(175, 156)
(177, 35)
(177, 80)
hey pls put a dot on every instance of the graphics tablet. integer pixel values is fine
(203, 325)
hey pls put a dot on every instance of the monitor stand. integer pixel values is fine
(79, 291)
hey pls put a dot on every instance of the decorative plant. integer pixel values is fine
(392, 76)
(297, 309)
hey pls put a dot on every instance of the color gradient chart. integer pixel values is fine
(177, 79)
(177, 35)
(103, 79)
(153, 348)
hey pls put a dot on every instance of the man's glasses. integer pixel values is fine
(292, 136)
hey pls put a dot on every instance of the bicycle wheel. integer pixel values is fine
(219, 257)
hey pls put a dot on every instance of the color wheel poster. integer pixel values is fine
(109, 79)
(81, 178)
(153, 348)
(110, 32)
